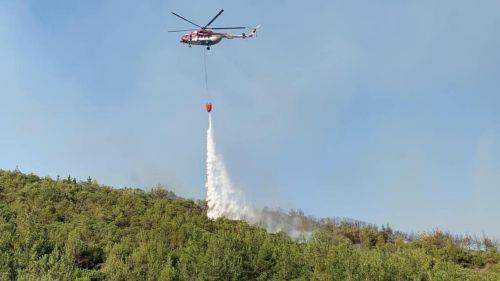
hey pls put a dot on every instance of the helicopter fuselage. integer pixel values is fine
(202, 37)
(206, 36)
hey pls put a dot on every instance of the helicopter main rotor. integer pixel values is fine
(206, 26)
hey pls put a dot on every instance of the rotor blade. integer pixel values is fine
(238, 27)
(186, 19)
(181, 30)
(210, 22)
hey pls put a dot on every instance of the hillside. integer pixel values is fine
(78, 230)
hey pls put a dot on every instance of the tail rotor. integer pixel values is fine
(251, 34)
(254, 31)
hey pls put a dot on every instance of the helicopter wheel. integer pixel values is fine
(208, 47)
(189, 46)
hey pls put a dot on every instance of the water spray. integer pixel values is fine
(224, 200)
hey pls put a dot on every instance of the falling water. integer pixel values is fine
(224, 200)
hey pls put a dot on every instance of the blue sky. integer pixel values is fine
(383, 111)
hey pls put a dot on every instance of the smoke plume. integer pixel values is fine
(224, 200)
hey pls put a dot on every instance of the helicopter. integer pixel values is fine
(206, 36)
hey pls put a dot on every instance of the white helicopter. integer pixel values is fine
(207, 36)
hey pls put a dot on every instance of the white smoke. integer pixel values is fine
(224, 200)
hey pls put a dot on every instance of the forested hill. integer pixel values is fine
(69, 230)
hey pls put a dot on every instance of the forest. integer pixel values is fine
(66, 229)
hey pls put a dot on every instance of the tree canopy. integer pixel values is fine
(65, 229)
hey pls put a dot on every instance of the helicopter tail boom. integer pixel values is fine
(243, 35)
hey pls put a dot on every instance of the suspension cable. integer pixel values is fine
(206, 74)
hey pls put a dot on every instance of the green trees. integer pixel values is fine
(68, 230)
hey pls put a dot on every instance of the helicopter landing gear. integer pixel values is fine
(189, 46)
(208, 47)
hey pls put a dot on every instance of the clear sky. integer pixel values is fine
(383, 111)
